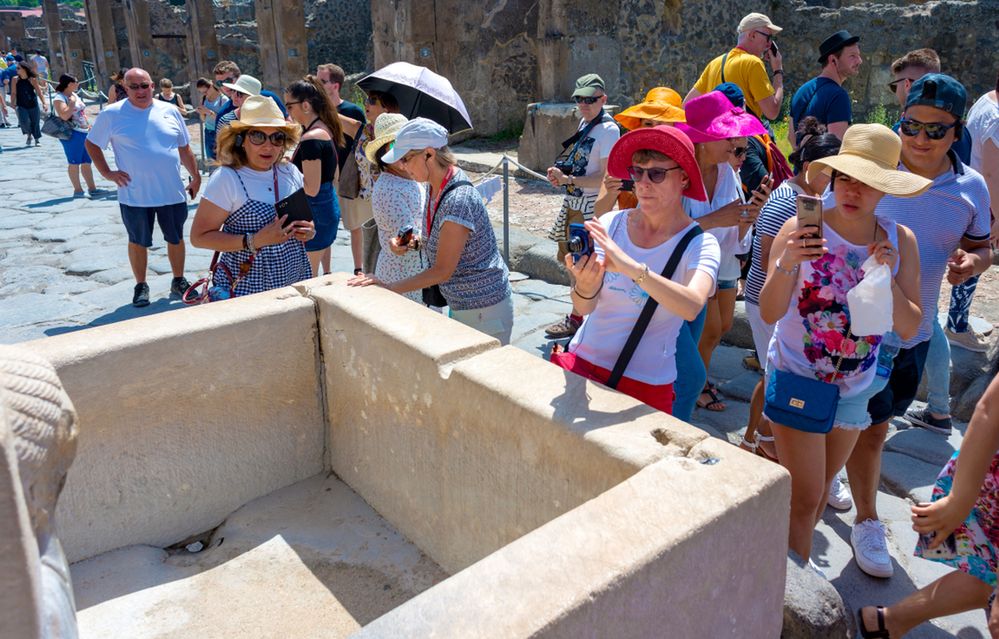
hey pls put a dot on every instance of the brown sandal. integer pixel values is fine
(882, 630)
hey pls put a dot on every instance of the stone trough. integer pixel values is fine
(323, 461)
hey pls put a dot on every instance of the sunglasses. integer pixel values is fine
(934, 130)
(257, 138)
(590, 100)
(739, 151)
(656, 174)
(143, 86)
(288, 104)
(371, 100)
(892, 86)
(768, 36)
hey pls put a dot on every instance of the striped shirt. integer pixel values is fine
(955, 207)
(779, 208)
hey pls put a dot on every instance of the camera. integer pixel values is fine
(627, 185)
(579, 243)
(565, 166)
(405, 235)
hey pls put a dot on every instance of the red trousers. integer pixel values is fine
(659, 397)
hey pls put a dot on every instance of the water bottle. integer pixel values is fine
(886, 359)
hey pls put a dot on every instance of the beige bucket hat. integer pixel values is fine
(870, 154)
(386, 127)
(261, 111)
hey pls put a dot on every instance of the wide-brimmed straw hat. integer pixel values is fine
(261, 111)
(712, 117)
(661, 104)
(870, 154)
(386, 127)
(667, 140)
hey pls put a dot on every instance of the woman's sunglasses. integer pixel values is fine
(739, 151)
(656, 174)
(934, 130)
(371, 100)
(590, 100)
(257, 138)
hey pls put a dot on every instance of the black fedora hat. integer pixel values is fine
(835, 42)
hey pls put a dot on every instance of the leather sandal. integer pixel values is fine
(882, 630)
(762, 452)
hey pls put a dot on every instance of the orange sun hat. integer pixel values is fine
(661, 104)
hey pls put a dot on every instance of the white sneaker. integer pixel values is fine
(870, 548)
(839, 495)
(816, 568)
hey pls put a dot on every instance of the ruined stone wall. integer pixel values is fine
(339, 31)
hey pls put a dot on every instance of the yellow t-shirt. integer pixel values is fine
(743, 69)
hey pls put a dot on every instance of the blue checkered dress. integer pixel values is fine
(275, 266)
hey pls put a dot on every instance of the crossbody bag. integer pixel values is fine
(432, 295)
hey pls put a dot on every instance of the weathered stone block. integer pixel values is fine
(812, 607)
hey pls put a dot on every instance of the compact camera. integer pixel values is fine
(580, 243)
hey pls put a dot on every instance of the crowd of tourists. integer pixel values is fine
(661, 229)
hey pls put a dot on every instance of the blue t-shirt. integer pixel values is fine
(481, 278)
(822, 99)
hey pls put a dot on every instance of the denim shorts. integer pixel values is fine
(138, 222)
(851, 412)
(727, 284)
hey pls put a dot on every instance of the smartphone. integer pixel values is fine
(627, 185)
(810, 214)
(405, 235)
(773, 48)
(946, 550)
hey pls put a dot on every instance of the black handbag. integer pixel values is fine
(432, 295)
(57, 127)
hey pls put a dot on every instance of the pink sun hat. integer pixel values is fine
(712, 117)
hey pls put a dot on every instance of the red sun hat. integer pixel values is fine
(712, 117)
(667, 140)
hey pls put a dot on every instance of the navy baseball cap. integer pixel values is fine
(941, 91)
(733, 93)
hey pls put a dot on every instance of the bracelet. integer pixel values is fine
(780, 268)
(248, 243)
(645, 273)
(780, 71)
(583, 297)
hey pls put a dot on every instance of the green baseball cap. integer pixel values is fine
(588, 85)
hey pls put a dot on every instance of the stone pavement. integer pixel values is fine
(63, 267)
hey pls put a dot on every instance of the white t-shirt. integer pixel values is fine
(604, 331)
(145, 143)
(79, 119)
(593, 149)
(983, 125)
(225, 191)
(729, 188)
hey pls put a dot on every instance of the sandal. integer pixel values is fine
(760, 437)
(714, 403)
(748, 446)
(882, 630)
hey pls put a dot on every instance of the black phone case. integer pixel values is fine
(296, 207)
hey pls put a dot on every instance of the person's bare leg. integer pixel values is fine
(755, 412)
(175, 253)
(710, 336)
(863, 470)
(74, 177)
(315, 257)
(839, 444)
(326, 260)
(804, 456)
(88, 176)
(357, 247)
(953, 593)
(137, 257)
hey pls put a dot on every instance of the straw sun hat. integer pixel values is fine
(386, 127)
(870, 154)
(261, 111)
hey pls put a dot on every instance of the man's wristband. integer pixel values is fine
(780, 71)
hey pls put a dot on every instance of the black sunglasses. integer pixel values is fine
(656, 174)
(768, 36)
(739, 151)
(934, 130)
(257, 138)
(894, 83)
(371, 100)
(136, 87)
(583, 100)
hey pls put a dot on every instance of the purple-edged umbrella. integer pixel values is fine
(420, 93)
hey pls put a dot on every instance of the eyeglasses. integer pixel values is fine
(583, 100)
(288, 104)
(768, 36)
(371, 100)
(934, 130)
(219, 83)
(894, 83)
(656, 174)
(257, 138)
(143, 86)
(739, 151)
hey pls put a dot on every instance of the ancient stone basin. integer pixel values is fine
(357, 465)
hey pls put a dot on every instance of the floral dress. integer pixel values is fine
(397, 202)
(977, 539)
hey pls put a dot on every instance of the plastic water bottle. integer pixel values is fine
(886, 359)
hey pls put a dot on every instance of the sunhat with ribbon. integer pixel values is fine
(712, 117)
(386, 127)
(667, 140)
(870, 154)
(661, 104)
(260, 111)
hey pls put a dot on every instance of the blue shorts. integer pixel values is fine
(724, 285)
(851, 412)
(139, 222)
(76, 150)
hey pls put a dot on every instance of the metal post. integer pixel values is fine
(506, 209)
(204, 156)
